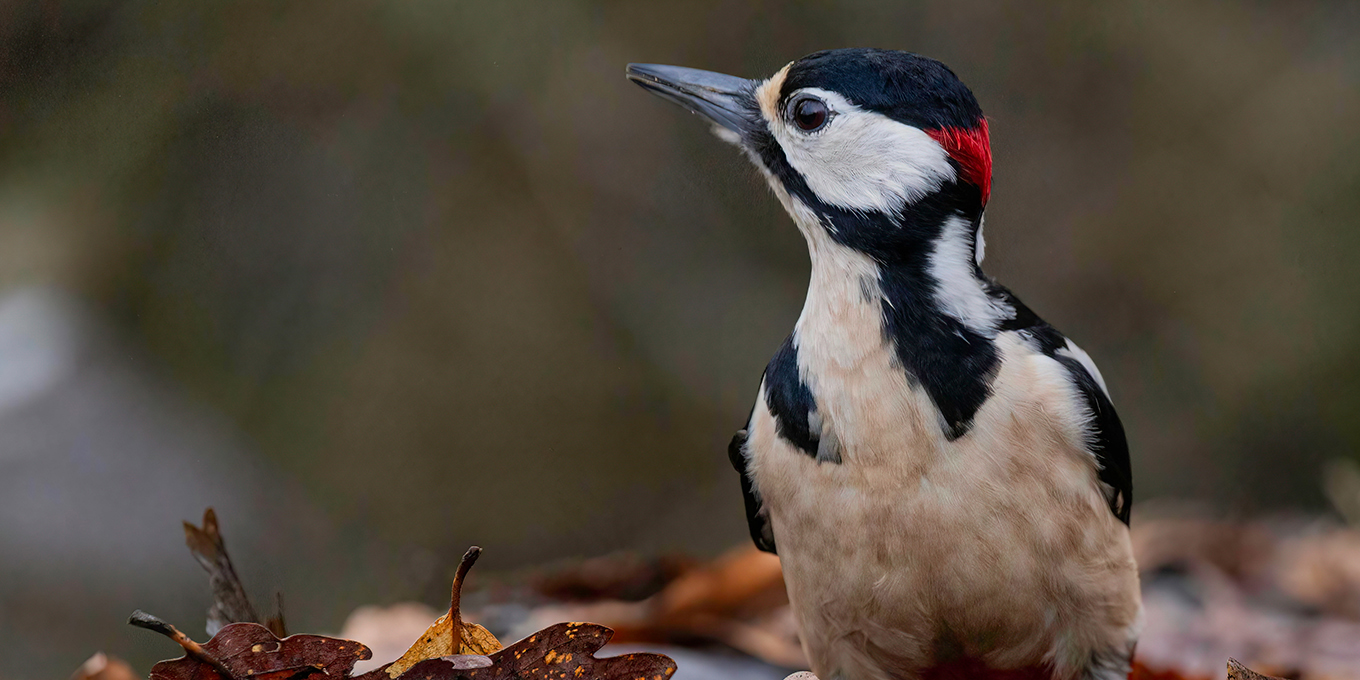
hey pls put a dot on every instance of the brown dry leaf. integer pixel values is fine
(623, 576)
(1321, 569)
(449, 634)
(230, 602)
(737, 600)
(103, 667)
(566, 650)
(739, 581)
(1283, 591)
(1236, 671)
(249, 650)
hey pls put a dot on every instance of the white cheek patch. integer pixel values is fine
(958, 291)
(864, 161)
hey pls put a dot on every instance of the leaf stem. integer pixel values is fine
(456, 597)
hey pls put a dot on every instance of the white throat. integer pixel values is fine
(842, 318)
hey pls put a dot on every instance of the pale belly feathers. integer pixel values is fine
(997, 546)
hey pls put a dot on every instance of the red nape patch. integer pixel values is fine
(971, 148)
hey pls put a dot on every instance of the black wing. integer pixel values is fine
(758, 522)
(1108, 444)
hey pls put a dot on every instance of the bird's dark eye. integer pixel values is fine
(809, 113)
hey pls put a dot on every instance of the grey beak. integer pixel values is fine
(720, 98)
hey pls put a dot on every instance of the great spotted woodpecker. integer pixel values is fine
(942, 472)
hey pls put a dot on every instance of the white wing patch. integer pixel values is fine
(1071, 350)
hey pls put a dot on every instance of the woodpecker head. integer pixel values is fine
(863, 143)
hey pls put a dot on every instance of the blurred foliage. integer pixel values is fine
(458, 281)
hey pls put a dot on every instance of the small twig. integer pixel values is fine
(455, 599)
(142, 619)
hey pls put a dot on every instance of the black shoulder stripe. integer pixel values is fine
(762, 534)
(789, 400)
(1108, 442)
(953, 364)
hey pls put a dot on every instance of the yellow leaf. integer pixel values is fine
(478, 640)
(449, 634)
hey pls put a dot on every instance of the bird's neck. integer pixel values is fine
(926, 255)
(926, 299)
(926, 269)
(842, 318)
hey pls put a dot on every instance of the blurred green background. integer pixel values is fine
(379, 280)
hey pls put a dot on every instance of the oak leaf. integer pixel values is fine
(241, 651)
(559, 652)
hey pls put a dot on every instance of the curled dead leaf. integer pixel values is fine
(230, 604)
(449, 635)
